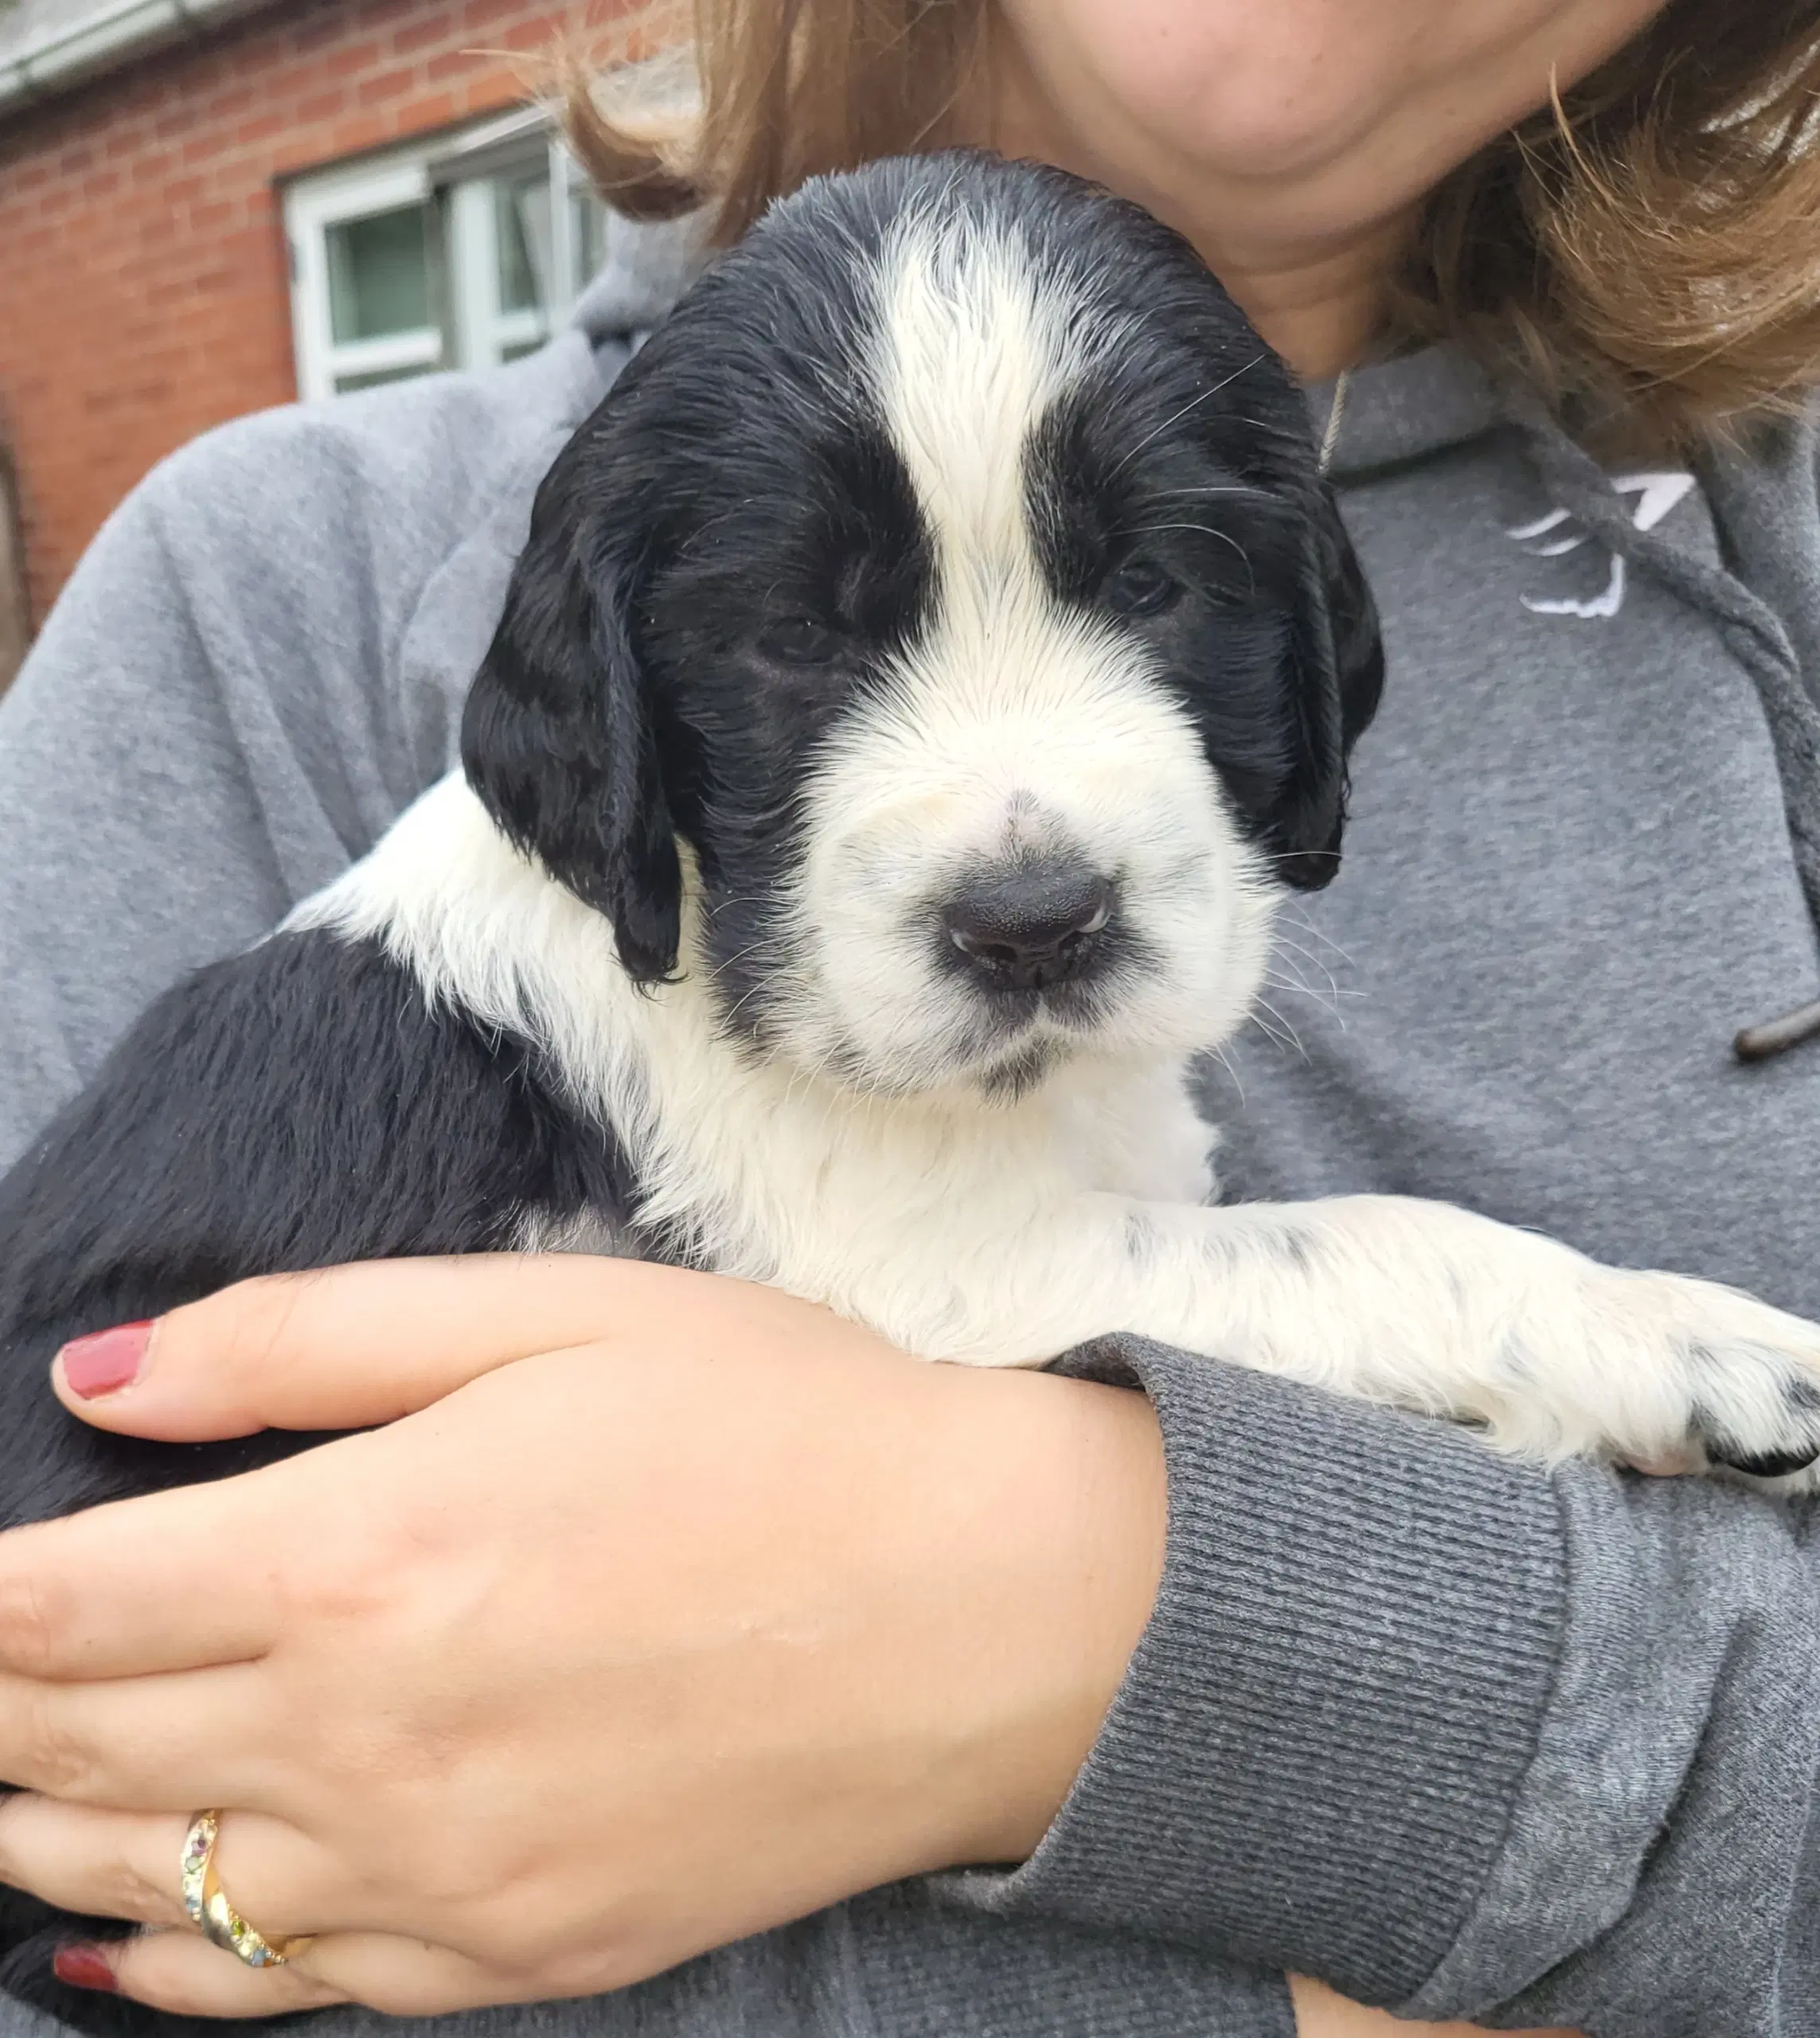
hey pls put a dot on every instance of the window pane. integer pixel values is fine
(590, 237)
(379, 274)
(521, 216)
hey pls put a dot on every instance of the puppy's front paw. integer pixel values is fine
(1746, 1378)
(1756, 1380)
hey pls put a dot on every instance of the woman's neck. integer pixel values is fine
(1320, 301)
(1322, 314)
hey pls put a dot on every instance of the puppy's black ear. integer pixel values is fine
(559, 736)
(1336, 662)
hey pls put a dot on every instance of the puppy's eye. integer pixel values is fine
(798, 640)
(1140, 589)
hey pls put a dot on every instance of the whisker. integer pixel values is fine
(1307, 955)
(1292, 959)
(1205, 530)
(1202, 488)
(1194, 404)
(1314, 998)
(1295, 856)
(1315, 934)
(1323, 996)
(1297, 914)
(1294, 1037)
(1269, 1032)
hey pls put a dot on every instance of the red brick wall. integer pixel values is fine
(143, 288)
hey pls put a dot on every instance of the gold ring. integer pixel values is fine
(211, 1913)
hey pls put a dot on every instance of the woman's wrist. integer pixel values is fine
(1057, 1540)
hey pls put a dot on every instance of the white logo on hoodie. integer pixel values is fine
(1656, 493)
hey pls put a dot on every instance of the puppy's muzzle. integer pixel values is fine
(1031, 928)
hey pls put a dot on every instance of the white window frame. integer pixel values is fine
(481, 331)
(311, 206)
(485, 332)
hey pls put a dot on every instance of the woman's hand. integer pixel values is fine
(665, 1608)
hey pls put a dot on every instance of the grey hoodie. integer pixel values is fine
(1461, 1738)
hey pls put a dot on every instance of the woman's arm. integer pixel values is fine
(752, 1704)
(255, 667)
(1456, 1737)
(931, 1578)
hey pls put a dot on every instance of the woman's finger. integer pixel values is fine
(97, 1863)
(179, 1972)
(128, 1865)
(167, 1743)
(351, 1347)
(163, 1582)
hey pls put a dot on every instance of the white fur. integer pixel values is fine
(1004, 1235)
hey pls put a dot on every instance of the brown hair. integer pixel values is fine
(1644, 253)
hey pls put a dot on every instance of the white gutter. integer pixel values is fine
(113, 36)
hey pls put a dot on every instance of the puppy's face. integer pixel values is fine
(951, 575)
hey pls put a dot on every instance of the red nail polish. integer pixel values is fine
(83, 1967)
(106, 1361)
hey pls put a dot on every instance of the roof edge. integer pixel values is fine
(131, 28)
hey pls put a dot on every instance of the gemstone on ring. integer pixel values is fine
(198, 1847)
(206, 1903)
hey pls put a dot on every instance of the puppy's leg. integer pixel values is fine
(1429, 1307)
(297, 1107)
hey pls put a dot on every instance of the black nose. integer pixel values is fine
(1029, 928)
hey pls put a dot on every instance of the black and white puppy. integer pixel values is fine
(927, 669)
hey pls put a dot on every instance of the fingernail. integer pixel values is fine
(106, 1361)
(83, 1967)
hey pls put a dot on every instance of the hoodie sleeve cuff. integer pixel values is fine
(1313, 1758)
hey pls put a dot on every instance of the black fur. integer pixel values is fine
(300, 1106)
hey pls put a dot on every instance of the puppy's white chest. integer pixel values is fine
(1140, 1136)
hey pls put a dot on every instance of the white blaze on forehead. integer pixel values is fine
(974, 347)
(1016, 721)
(1010, 707)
